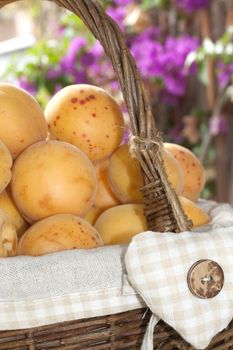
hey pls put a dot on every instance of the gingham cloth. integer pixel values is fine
(158, 264)
(69, 285)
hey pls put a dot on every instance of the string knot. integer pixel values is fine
(135, 143)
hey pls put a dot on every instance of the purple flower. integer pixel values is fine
(97, 50)
(145, 49)
(76, 45)
(27, 85)
(118, 14)
(53, 73)
(181, 47)
(127, 135)
(192, 5)
(67, 64)
(151, 33)
(176, 134)
(57, 88)
(123, 2)
(219, 125)
(225, 74)
(115, 86)
(164, 62)
(87, 59)
(80, 77)
(175, 84)
(69, 60)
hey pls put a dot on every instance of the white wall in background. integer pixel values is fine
(12, 46)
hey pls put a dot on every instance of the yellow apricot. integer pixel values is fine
(198, 216)
(119, 224)
(194, 173)
(92, 215)
(87, 117)
(105, 198)
(125, 177)
(174, 172)
(53, 177)
(57, 233)
(5, 166)
(8, 205)
(22, 121)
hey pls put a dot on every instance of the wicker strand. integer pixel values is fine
(149, 154)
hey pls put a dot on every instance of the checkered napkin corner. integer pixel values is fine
(157, 265)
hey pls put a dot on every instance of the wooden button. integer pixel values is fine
(205, 279)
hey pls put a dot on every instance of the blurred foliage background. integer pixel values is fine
(184, 52)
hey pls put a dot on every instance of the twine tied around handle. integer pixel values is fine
(135, 143)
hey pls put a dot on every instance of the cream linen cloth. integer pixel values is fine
(158, 264)
(69, 285)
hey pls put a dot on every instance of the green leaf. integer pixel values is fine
(148, 4)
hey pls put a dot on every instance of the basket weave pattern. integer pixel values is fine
(162, 208)
(123, 331)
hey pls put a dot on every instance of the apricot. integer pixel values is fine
(22, 121)
(119, 224)
(5, 166)
(8, 236)
(194, 173)
(8, 205)
(105, 198)
(174, 172)
(53, 177)
(125, 177)
(198, 216)
(56, 233)
(92, 215)
(87, 117)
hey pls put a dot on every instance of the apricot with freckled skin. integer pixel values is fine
(53, 177)
(87, 117)
(119, 224)
(57, 233)
(22, 121)
(5, 166)
(194, 172)
(125, 177)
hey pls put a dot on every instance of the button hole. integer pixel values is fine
(206, 279)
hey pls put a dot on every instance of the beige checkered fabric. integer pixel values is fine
(69, 285)
(158, 264)
(27, 314)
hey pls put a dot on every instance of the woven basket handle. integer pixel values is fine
(162, 208)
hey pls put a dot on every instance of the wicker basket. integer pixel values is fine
(162, 209)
